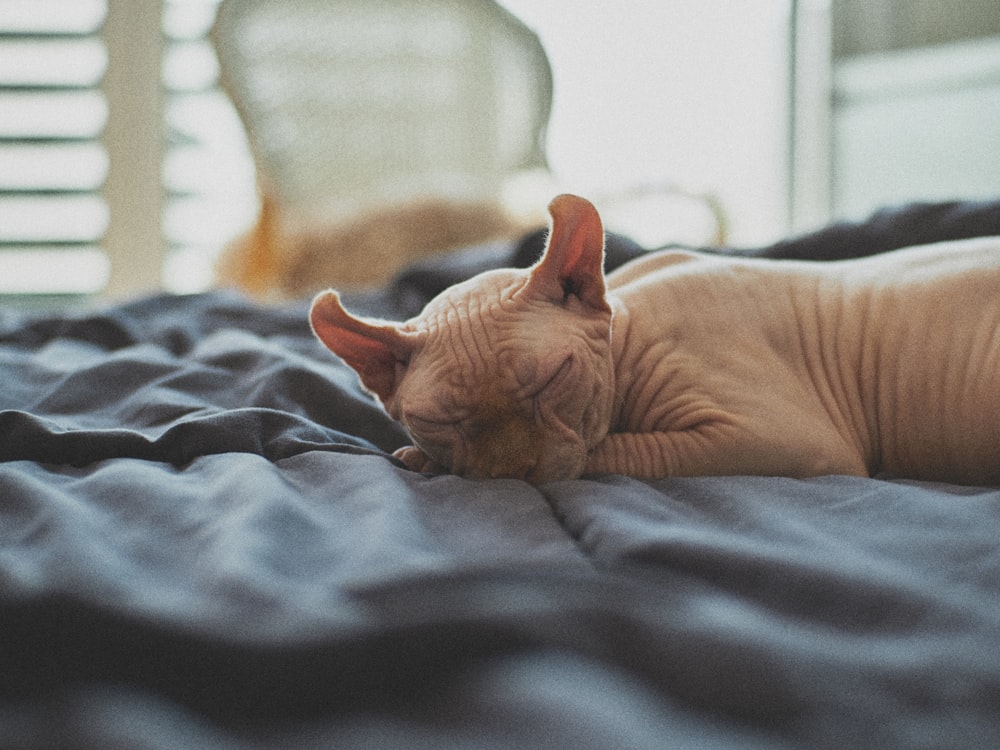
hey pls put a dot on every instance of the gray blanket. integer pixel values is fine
(204, 542)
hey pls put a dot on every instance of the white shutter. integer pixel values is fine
(52, 163)
(208, 171)
(123, 168)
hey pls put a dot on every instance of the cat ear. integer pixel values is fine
(573, 263)
(372, 349)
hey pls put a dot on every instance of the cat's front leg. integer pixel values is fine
(647, 455)
(717, 450)
(677, 453)
(416, 460)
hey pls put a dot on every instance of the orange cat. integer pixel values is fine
(276, 261)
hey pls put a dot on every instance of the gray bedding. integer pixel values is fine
(204, 542)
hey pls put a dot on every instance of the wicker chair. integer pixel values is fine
(350, 104)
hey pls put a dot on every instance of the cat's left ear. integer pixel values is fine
(373, 349)
(573, 263)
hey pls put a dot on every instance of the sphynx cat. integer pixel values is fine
(683, 363)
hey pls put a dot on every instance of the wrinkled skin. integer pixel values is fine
(690, 364)
(509, 374)
(495, 388)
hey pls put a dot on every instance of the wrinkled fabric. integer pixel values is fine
(205, 542)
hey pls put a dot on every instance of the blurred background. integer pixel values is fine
(125, 168)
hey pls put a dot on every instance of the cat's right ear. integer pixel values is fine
(573, 263)
(374, 349)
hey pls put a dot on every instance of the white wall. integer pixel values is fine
(686, 91)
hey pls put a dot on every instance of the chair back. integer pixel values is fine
(353, 103)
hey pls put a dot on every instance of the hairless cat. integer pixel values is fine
(684, 363)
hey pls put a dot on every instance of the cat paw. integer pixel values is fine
(416, 460)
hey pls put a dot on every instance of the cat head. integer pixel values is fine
(508, 374)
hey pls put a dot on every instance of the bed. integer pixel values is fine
(205, 542)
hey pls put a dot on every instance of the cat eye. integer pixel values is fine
(423, 424)
(561, 375)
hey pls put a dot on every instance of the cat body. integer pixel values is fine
(688, 364)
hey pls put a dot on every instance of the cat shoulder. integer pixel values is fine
(650, 263)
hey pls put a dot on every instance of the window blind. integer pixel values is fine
(52, 163)
(122, 165)
(208, 173)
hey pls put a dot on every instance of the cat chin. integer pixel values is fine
(557, 474)
(535, 476)
(563, 456)
(568, 465)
